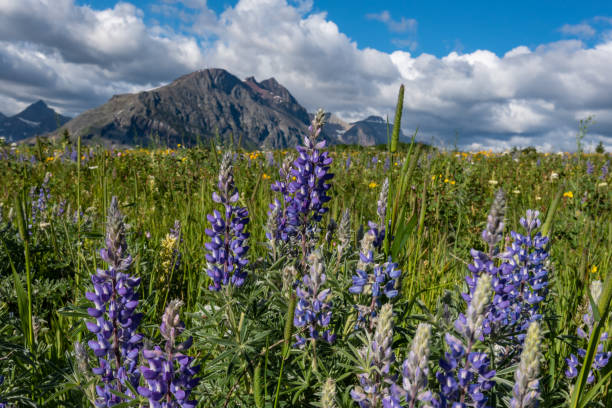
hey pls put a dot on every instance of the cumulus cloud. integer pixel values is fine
(77, 57)
(54, 49)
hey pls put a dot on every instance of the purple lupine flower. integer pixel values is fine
(466, 375)
(602, 358)
(313, 309)
(375, 160)
(279, 227)
(387, 163)
(227, 248)
(373, 280)
(519, 281)
(170, 374)
(270, 159)
(348, 162)
(604, 170)
(61, 208)
(590, 168)
(375, 378)
(39, 201)
(524, 269)
(378, 229)
(117, 344)
(309, 186)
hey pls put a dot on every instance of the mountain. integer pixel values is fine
(195, 107)
(369, 132)
(36, 119)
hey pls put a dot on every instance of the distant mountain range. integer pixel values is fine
(195, 108)
(370, 131)
(36, 119)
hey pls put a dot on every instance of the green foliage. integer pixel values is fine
(438, 203)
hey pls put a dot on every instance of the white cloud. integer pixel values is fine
(398, 26)
(579, 30)
(77, 57)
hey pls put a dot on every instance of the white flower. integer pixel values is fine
(516, 191)
(538, 198)
(493, 182)
(554, 176)
(604, 184)
(93, 167)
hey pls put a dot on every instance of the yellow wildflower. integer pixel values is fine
(265, 176)
(372, 185)
(50, 158)
(167, 254)
(568, 194)
(593, 269)
(452, 182)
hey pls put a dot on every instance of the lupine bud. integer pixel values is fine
(344, 233)
(170, 254)
(328, 396)
(494, 230)
(526, 386)
(415, 369)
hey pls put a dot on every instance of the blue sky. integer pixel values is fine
(480, 74)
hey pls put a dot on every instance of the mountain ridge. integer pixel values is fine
(36, 119)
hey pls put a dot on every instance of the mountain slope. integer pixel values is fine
(36, 119)
(195, 107)
(369, 132)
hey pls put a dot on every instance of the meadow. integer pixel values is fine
(434, 288)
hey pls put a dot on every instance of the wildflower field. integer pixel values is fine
(322, 276)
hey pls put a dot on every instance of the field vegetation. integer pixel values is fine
(411, 277)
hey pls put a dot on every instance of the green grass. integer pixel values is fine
(441, 210)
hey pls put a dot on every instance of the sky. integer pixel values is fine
(478, 75)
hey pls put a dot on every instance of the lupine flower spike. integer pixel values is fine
(313, 310)
(170, 375)
(344, 233)
(227, 247)
(376, 379)
(602, 358)
(328, 396)
(526, 386)
(117, 344)
(465, 375)
(374, 280)
(306, 194)
(415, 369)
